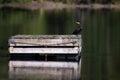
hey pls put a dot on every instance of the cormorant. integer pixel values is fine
(78, 30)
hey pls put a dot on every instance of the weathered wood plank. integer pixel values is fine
(46, 36)
(43, 64)
(45, 40)
(74, 50)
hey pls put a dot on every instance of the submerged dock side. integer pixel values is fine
(51, 56)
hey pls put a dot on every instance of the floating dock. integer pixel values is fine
(48, 56)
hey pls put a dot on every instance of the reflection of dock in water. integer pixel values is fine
(47, 57)
(42, 72)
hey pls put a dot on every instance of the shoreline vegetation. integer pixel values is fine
(34, 5)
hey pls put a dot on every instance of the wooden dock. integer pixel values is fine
(51, 56)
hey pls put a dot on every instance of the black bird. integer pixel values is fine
(78, 30)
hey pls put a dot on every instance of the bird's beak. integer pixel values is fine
(78, 23)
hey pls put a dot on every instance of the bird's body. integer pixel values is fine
(77, 31)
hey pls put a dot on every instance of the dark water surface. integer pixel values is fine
(101, 41)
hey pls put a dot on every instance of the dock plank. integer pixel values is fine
(46, 40)
(74, 50)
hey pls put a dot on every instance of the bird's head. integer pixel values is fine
(78, 23)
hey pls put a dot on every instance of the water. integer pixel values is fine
(101, 41)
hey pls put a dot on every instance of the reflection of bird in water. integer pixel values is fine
(78, 30)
